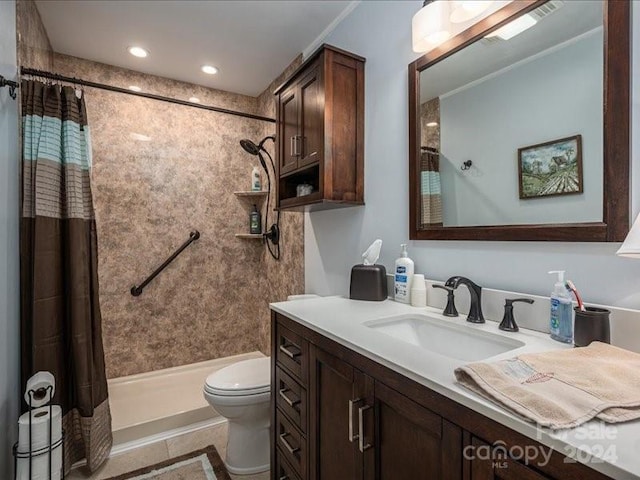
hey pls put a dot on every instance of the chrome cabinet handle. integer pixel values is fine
(352, 403)
(283, 394)
(287, 445)
(284, 477)
(289, 353)
(361, 445)
(292, 146)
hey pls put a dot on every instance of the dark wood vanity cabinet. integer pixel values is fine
(338, 415)
(320, 132)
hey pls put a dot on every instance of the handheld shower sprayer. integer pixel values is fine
(273, 234)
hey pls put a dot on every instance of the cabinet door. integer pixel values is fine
(289, 121)
(337, 393)
(310, 119)
(492, 464)
(412, 442)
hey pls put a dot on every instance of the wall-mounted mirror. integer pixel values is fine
(509, 135)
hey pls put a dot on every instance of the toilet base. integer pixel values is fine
(247, 449)
(247, 471)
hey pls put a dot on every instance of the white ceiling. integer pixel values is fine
(483, 58)
(251, 42)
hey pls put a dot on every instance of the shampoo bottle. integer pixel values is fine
(561, 318)
(256, 183)
(403, 275)
(255, 222)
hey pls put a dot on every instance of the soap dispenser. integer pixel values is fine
(561, 320)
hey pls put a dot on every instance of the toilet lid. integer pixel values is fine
(248, 377)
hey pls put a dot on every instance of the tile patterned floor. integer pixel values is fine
(160, 451)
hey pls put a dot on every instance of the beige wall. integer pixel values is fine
(34, 48)
(430, 112)
(285, 277)
(212, 301)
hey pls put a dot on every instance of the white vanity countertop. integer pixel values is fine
(612, 449)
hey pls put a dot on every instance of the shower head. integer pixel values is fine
(249, 147)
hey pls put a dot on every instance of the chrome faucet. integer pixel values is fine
(475, 312)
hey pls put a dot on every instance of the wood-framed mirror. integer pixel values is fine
(530, 140)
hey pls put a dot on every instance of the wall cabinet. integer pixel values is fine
(340, 416)
(320, 132)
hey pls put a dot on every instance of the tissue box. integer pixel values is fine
(368, 282)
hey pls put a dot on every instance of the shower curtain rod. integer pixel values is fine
(77, 81)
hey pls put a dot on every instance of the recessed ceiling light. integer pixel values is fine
(432, 124)
(194, 100)
(135, 88)
(138, 52)
(210, 70)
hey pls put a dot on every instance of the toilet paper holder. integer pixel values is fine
(47, 449)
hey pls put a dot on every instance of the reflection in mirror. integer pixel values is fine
(525, 106)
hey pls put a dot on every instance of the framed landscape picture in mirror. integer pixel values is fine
(541, 114)
(551, 168)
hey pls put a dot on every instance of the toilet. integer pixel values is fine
(241, 393)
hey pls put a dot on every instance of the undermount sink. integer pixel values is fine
(460, 342)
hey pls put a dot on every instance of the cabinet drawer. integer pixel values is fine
(283, 470)
(291, 399)
(292, 352)
(292, 444)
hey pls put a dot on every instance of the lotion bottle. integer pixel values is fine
(403, 275)
(256, 182)
(561, 315)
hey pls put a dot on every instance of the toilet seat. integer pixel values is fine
(249, 377)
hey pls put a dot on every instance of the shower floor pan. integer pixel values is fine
(152, 403)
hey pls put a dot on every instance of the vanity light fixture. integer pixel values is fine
(465, 10)
(135, 88)
(631, 246)
(514, 28)
(209, 70)
(138, 52)
(430, 25)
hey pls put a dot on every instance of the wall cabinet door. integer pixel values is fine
(311, 119)
(339, 396)
(492, 464)
(411, 442)
(288, 139)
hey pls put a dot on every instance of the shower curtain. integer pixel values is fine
(60, 317)
(430, 192)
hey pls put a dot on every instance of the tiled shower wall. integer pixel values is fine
(159, 171)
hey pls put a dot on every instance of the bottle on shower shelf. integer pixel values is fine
(255, 221)
(256, 181)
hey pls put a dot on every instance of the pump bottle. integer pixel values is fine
(561, 315)
(403, 276)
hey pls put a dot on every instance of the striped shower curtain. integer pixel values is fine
(60, 319)
(431, 211)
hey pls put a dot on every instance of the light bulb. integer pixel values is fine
(430, 26)
(464, 10)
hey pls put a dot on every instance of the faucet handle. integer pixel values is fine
(450, 310)
(508, 323)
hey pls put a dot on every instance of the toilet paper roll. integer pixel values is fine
(40, 418)
(39, 382)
